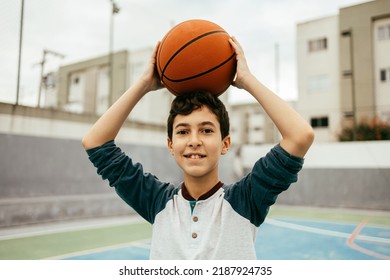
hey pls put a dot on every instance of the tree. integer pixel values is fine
(375, 129)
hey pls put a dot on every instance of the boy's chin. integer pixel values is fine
(193, 172)
(197, 173)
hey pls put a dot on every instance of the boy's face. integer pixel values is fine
(196, 143)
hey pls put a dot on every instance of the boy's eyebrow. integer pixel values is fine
(182, 124)
(200, 124)
(207, 123)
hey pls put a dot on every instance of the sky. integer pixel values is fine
(80, 30)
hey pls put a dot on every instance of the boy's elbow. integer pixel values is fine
(87, 143)
(306, 140)
(299, 143)
(84, 142)
(91, 141)
(309, 136)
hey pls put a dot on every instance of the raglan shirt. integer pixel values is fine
(221, 226)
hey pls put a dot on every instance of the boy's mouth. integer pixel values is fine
(194, 156)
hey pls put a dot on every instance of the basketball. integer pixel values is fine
(196, 55)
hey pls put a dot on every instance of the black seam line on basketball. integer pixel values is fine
(172, 90)
(189, 43)
(200, 74)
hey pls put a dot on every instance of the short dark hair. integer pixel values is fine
(186, 103)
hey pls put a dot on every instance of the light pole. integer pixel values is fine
(114, 10)
(20, 52)
(351, 73)
(42, 63)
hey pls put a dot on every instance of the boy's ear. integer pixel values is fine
(226, 145)
(169, 145)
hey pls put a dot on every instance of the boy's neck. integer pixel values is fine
(198, 187)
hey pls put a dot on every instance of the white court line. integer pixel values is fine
(67, 226)
(142, 244)
(325, 231)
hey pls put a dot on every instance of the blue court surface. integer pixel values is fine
(286, 239)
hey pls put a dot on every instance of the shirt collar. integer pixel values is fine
(212, 191)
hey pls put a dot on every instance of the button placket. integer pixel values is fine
(195, 226)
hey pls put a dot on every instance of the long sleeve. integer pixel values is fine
(255, 193)
(142, 191)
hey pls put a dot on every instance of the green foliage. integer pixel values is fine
(375, 129)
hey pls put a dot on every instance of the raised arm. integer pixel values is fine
(108, 125)
(297, 134)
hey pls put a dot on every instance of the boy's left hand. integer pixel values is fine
(242, 71)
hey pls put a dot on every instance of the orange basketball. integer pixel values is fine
(196, 55)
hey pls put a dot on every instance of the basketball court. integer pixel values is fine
(289, 233)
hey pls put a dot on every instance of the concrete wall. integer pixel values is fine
(44, 179)
(341, 175)
(50, 123)
(360, 188)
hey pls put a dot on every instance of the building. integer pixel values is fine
(318, 79)
(85, 86)
(83, 92)
(343, 68)
(250, 125)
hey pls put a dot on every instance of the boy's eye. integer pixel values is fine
(181, 132)
(207, 130)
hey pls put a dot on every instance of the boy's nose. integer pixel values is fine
(194, 140)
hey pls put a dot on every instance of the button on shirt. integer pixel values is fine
(195, 228)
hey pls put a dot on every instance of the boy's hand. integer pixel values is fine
(150, 77)
(242, 71)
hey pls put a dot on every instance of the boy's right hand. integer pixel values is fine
(150, 78)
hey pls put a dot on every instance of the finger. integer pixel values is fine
(154, 55)
(236, 45)
(156, 47)
(232, 43)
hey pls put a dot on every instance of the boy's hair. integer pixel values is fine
(186, 103)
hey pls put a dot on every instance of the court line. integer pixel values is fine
(354, 246)
(139, 244)
(325, 231)
(67, 226)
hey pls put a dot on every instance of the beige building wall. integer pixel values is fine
(381, 40)
(83, 84)
(85, 87)
(318, 76)
(358, 91)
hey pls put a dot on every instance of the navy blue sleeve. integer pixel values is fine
(142, 191)
(272, 174)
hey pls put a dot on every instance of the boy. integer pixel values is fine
(202, 218)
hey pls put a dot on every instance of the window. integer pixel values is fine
(318, 44)
(76, 92)
(384, 75)
(384, 32)
(319, 122)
